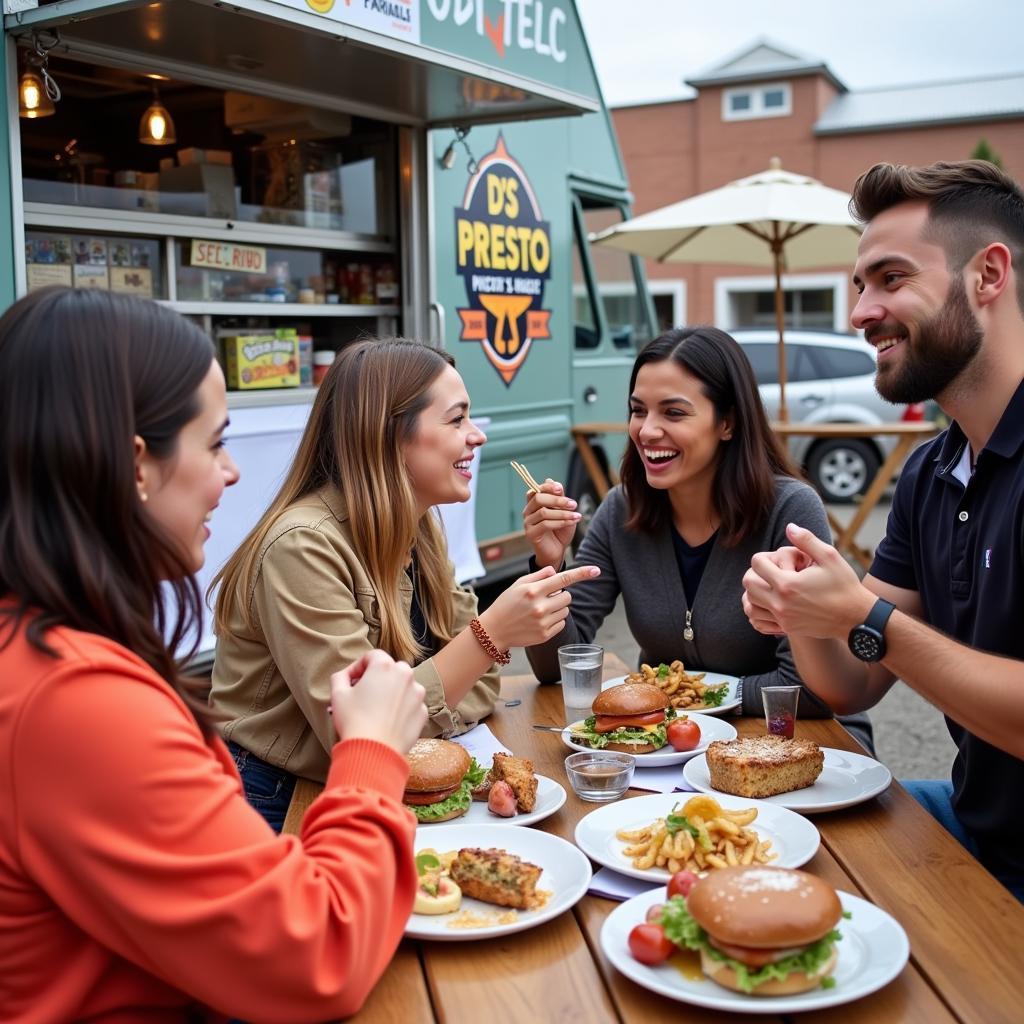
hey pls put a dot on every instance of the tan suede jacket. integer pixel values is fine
(316, 613)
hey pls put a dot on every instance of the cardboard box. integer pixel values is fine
(203, 190)
(193, 155)
(269, 359)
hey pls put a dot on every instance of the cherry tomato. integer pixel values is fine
(648, 944)
(683, 735)
(654, 912)
(681, 883)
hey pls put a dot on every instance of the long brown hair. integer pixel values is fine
(743, 490)
(81, 374)
(365, 411)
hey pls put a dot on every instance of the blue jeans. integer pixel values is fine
(267, 788)
(936, 797)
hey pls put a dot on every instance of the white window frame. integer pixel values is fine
(757, 107)
(664, 286)
(725, 287)
(676, 288)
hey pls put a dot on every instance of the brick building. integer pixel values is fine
(769, 101)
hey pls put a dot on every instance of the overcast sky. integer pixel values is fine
(644, 49)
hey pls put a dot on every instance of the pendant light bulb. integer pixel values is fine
(33, 100)
(156, 127)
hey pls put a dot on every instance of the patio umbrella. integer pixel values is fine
(773, 218)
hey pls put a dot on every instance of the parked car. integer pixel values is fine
(830, 378)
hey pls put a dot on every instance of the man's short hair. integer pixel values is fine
(971, 203)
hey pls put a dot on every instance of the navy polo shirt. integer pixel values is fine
(962, 549)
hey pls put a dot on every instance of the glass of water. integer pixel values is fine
(581, 668)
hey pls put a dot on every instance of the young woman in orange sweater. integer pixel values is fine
(135, 880)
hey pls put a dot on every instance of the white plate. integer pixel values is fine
(846, 779)
(872, 951)
(793, 837)
(710, 729)
(566, 875)
(732, 696)
(550, 796)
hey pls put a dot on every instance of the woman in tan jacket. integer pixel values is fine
(350, 556)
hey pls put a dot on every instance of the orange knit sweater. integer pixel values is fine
(136, 882)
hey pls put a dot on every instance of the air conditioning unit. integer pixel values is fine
(279, 119)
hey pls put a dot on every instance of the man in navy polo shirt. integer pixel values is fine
(940, 272)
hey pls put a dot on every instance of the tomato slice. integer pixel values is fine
(754, 957)
(424, 799)
(609, 723)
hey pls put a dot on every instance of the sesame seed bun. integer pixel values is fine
(630, 699)
(435, 766)
(764, 907)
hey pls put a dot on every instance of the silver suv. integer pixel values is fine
(830, 378)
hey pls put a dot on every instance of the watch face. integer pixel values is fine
(866, 644)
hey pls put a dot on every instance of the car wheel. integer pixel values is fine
(840, 470)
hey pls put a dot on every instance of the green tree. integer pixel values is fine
(983, 151)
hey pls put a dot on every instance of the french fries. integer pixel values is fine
(684, 690)
(703, 836)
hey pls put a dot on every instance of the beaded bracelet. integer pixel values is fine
(490, 649)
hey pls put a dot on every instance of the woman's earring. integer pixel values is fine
(143, 496)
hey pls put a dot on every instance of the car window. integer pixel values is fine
(842, 362)
(764, 359)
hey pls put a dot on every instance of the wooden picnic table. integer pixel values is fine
(966, 932)
(906, 434)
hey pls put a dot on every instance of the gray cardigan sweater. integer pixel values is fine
(643, 569)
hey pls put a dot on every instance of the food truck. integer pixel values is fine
(297, 174)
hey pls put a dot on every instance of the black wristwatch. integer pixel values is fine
(867, 641)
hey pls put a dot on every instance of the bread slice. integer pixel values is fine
(760, 766)
(518, 773)
(496, 876)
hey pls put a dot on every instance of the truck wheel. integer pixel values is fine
(842, 470)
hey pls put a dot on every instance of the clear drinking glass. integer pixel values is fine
(581, 670)
(780, 703)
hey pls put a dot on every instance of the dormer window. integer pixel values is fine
(744, 103)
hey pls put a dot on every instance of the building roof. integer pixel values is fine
(910, 106)
(763, 60)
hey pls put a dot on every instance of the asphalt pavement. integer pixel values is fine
(910, 734)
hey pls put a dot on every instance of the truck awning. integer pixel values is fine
(267, 45)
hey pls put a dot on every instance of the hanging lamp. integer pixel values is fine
(157, 127)
(37, 91)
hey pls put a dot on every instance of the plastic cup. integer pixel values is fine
(581, 670)
(780, 703)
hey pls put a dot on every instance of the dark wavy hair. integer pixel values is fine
(82, 372)
(970, 204)
(743, 490)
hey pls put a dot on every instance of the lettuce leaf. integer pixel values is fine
(459, 800)
(684, 931)
(599, 740)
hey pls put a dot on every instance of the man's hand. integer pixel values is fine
(804, 590)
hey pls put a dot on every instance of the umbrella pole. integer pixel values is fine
(780, 322)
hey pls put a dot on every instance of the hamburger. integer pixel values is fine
(631, 717)
(759, 930)
(441, 779)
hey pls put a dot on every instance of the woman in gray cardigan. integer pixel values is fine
(705, 485)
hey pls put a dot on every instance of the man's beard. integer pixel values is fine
(945, 345)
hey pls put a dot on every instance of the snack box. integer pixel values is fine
(266, 360)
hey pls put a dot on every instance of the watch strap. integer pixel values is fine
(879, 614)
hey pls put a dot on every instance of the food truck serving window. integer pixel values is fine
(273, 223)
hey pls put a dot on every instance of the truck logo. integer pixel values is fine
(503, 253)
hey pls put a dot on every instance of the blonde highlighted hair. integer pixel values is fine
(366, 410)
